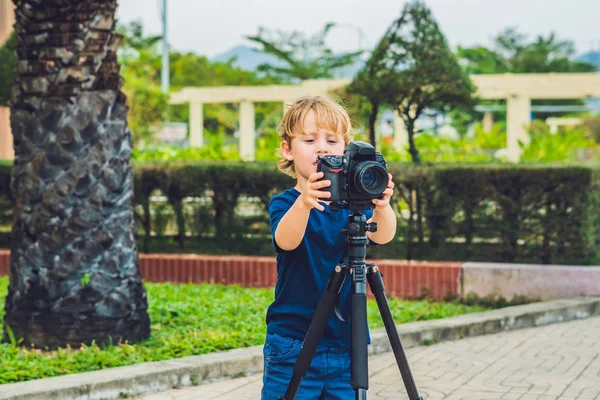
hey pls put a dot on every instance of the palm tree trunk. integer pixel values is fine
(73, 265)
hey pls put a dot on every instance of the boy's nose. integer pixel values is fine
(322, 148)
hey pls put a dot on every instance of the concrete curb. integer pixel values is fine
(164, 375)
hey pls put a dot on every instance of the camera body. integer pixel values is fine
(359, 175)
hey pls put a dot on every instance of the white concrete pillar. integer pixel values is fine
(247, 131)
(6, 138)
(488, 121)
(400, 133)
(196, 124)
(7, 20)
(518, 116)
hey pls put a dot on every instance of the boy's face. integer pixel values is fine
(307, 146)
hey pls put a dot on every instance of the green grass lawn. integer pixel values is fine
(187, 320)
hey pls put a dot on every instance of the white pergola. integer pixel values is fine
(517, 89)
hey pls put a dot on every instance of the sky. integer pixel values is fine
(213, 27)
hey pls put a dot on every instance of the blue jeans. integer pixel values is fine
(328, 377)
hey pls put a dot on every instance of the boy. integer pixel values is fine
(306, 237)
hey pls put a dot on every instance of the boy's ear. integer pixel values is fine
(286, 150)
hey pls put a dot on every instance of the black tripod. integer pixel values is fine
(354, 265)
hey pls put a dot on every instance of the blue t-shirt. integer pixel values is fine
(303, 273)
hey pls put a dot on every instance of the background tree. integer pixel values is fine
(417, 71)
(302, 56)
(74, 273)
(148, 106)
(370, 84)
(515, 52)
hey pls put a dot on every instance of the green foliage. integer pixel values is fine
(214, 149)
(481, 60)
(539, 213)
(8, 62)
(186, 320)
(514, 52)
(542, 55)
(494, 139)
(483, 210)
(148, 106)
(303, 57)
(591, 124)
(562, 146)
(134, 41)
(85, 279)
(438, 149)
(267, 146)
(413, 70)
(568, 145)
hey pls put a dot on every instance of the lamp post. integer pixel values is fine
(165, 51)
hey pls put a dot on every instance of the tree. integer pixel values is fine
(515, 52)
(370, 83)
(416, 71)
(74, 273)
(481, 60)
(140, 69)
(302, 57)
(542, 55)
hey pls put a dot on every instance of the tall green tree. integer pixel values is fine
(515, 52)
(302, 56)
(74, 273)
(370, 83)
(141, 69)
(414, 70)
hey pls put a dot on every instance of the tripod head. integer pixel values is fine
(357, 240)
(351, 205)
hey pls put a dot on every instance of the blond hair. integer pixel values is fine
(328, 114)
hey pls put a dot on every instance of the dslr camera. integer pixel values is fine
(358, 176)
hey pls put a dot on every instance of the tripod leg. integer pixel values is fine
(360, 371)
(376, 284)
(315, 331)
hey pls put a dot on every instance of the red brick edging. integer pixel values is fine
(405, 279)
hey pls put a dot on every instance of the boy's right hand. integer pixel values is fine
(311, 193)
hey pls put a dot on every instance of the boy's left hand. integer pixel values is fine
(387, 193)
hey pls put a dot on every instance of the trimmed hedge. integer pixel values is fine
(511, 213)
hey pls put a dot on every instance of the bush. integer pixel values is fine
(480, 212)
(562, 146)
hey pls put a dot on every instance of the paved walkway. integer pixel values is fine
(556, 362)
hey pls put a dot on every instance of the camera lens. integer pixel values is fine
(371, 178)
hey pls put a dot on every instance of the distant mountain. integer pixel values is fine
(592, 57)
(249, 58)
